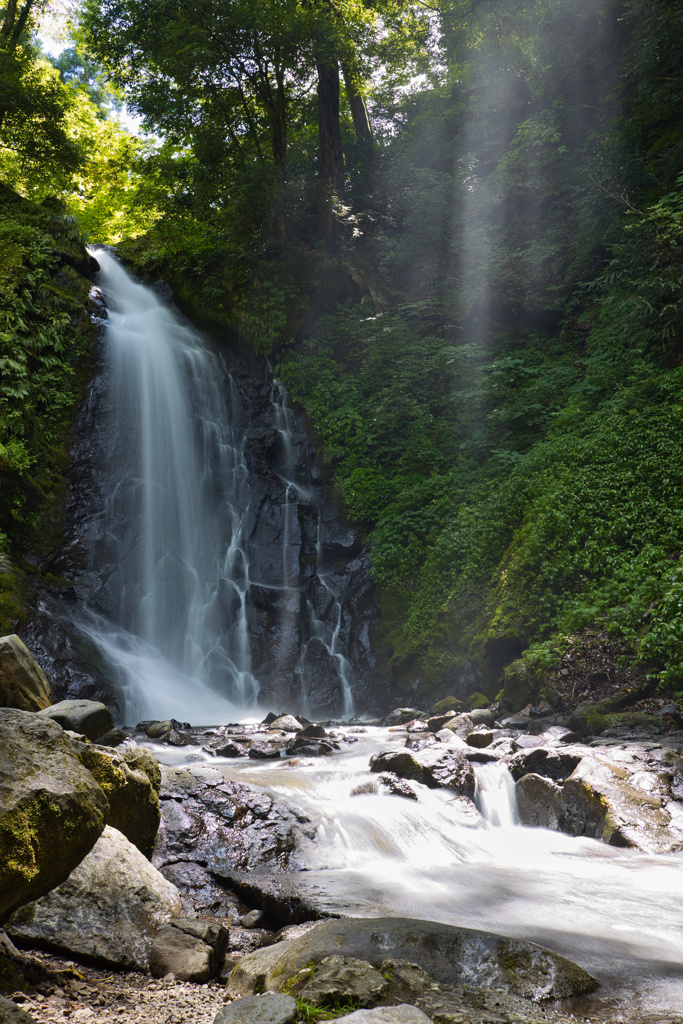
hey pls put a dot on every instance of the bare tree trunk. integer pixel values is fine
(359, 113)
(332, 169)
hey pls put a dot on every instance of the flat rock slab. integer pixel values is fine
(454, 956)
(404, 1013)
(270, 1008)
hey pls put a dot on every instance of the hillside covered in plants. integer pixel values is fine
(456, 231)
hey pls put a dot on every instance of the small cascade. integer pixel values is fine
(325, 631)
(495, 795)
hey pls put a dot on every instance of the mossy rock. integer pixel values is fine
(130, 779)
(477, 700)
(445, 705)
(51, 809)
(522, 683)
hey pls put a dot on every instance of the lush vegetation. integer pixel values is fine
(457, 228)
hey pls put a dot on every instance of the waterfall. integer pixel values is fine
(214, 588)
(495, 795)
(178, 498)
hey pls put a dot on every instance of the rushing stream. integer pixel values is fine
(178, 519)
(614, 911)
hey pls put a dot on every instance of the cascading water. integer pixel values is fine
(210, 587)
(614, 911)
(174, 519)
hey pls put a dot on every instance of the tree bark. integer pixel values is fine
(359, 113)
(332, 169)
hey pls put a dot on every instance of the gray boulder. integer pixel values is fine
(110, 908)
(87, 717)
(51, 809)
(23, 684)
(401, 1014)
(269, 1008)
(10, 1013)
(189, 948)
(453, 956)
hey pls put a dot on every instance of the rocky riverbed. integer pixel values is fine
(268, 830)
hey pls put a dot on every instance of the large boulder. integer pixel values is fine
(90, 718)
(51, 808)
(454, 956)
(23, 684)
(110, 907)
(130, 778)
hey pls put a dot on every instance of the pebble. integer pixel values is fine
(99, 996)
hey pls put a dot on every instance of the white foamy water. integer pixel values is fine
(614, 911)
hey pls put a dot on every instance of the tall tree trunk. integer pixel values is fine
(332, 169)
(359, 112)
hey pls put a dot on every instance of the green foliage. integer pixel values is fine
(44, 335)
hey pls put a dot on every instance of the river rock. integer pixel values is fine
(110, 907)
(219, 828)
(480, 738)
(396, 786)
(89, 718)
(269, 1008)
(401, 1014)
(447, 769)
(23, 684)
(264, 751)
(130, 779)
(450, 955)
(399, 763)
(601, 803)
(540, 802)
(226, 748)
(51, 809)
(551, 764)
(288, 723)
(188, 948)
(10, 1013)
(340, 979)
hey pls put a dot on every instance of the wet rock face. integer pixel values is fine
(311, 604)
(217, 828)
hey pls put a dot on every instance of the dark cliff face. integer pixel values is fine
(309, 638)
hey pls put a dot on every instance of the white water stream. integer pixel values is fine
(614, 911)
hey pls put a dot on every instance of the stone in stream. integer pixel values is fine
(287, 723)
(396, 786)
(452, 956)
(269, 1008)
(51, 809)
(432, 765)
(87, 717)
(109, 908)
(23, 684)
(264, 751)
(226, 748)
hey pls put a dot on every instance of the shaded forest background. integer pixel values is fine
(455, 228)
